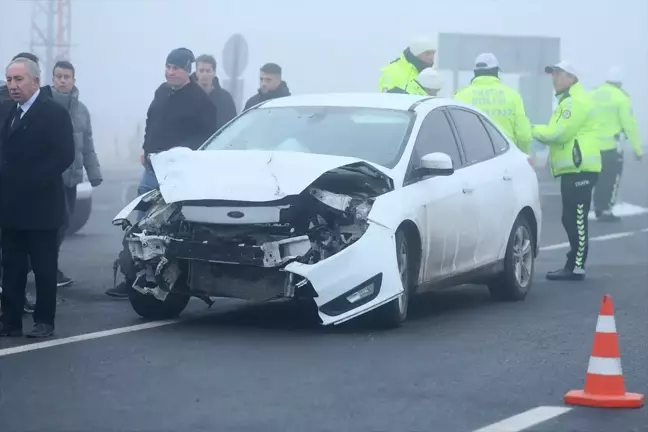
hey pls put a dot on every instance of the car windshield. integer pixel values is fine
(373, 134)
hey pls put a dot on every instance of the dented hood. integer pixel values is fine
(243, 175)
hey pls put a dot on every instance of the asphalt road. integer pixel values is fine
(462, 362)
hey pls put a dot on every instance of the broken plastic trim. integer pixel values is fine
(341, 304)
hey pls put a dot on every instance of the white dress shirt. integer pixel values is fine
(25, 107)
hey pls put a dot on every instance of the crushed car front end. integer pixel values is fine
(320, 244)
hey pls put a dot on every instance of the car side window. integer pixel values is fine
(475, 140)
(435, 135)
(499, 142)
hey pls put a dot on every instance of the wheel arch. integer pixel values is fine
(528, 214)
(413, 236)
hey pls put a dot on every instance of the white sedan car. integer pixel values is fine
(355, 202)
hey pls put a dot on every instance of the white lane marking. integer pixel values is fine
(84, 337)
(146, 326)
(597, 238)
(623, 209)
(526, 419)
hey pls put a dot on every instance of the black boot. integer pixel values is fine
(120, 291)
(566, 274)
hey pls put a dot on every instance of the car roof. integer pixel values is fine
(394, 101)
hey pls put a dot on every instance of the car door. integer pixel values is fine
(508, 166)
(484, 187)
(445, 215)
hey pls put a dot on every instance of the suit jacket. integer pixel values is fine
(33, 156)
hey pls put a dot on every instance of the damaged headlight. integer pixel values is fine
(158, 215)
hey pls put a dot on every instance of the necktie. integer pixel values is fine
(16, 118)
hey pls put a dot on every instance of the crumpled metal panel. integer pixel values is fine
(249, 283)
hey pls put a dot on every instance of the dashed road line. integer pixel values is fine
(84, 337)
(150, 325)
(526, 419)
(596, 239)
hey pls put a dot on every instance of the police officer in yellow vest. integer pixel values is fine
(572, 137)
(402, 72)
(614, 114)
(429, 80)
(502, 103)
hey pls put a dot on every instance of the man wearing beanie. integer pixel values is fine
(181, 115)
(402, 72)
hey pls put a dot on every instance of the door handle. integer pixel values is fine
(467, 190)
(507, 177)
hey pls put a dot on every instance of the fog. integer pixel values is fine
(120, 46)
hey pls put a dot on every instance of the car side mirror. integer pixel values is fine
(436, 164)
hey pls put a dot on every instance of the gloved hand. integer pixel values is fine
(638, 157)
(96, 182)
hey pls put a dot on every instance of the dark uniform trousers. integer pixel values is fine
(19, 248)
(605, 193)
(576, 191)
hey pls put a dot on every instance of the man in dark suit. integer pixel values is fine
(36, 147)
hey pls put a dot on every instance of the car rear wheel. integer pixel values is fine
(149, 307)
(515, 282)
(81, 215)
(394, 313)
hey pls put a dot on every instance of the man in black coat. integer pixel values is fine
(272, 86)
(6, 105)
(181, 115)
(205, 77)
(36, 147)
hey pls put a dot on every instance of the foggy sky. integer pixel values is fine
(120, 46)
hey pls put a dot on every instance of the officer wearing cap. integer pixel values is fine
(429, 80)
(613, 112)
(502, 103)
(402, 72)
(572, 137)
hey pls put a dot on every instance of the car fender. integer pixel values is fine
(130, 207)
(336, 276)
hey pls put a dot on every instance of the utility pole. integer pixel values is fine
(51, 33)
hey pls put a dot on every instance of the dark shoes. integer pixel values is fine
(566, 274)
(62, 280)
(120, 291)
(9, 331)
(41, 330)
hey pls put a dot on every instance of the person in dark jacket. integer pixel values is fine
(6, 105)
(32, 197)
(272, 86)
(205, 77)
(181, 115)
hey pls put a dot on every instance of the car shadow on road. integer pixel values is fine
(288, 316)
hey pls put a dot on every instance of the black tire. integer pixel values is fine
(508, 286)
(81, 215)
(149, 307)
(394, 313)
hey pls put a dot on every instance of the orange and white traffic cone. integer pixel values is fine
(604, 385)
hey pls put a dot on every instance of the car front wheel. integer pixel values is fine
(394, 313)
(514, 283)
